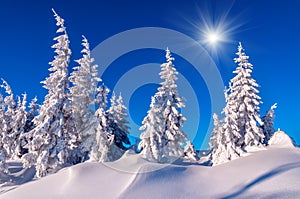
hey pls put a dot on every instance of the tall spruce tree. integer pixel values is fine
(162, 137)
(244, 94)
(85, 80)
(239, 130)
(48, 149)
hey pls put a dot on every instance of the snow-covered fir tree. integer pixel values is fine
(244, 94)
(19, 121)
(239, 128)
(152, 137)
(189, 151)
(29, 125)
(162, 137)
(225, 137)
(112, 135)
(268, 122)
(117, 114)
(31, 114)
(3, 152)
(215, 133)
(85, 80)
(104, 138)
(8, 136)
(48, 149)
(120, 115)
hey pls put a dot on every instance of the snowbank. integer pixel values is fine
(272, 173)
(281, 139)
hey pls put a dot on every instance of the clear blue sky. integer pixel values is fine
(269, 31)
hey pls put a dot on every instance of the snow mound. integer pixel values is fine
(272, 173)
(281, 139)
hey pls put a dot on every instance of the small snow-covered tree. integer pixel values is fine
(268, 122)
(48, 149)
(120, 115)
(162, 137)
(3, 152)
(152, 137)
(8, 137)
(213, 137)
(31, 114)
(29, 125)
(103, 137)
(85, 80)
(189, 151)
(18, 122)
(117, 121)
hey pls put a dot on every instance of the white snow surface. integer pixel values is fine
(271, 173)
(281, 139)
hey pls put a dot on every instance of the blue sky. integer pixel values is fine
(269, 31)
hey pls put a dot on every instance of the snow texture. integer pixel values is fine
(281, 139)
(273, 173)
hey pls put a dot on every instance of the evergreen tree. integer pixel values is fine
(104, 139)
(8, 137)
(19, 122)
(85, 80)
(152, 138)
(3, 152)
(239, 129)
(244, 94)
(268, 121)
(29, 125)
(117, 121)
(31, 114)
(162, 137)
(48, 149)
(215, 133)
(189, 151)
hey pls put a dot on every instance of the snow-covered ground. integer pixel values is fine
(271, 173)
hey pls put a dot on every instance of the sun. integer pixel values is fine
(213, 38)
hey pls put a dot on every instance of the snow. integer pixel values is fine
(281, 139)
(271, 173)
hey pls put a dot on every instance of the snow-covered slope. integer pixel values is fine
(271, 173)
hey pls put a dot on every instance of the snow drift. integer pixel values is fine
(281, 139)
(265, 174)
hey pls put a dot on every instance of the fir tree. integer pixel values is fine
(117, 121)
(8, 136)
(85, 80)
(19, 122)
(244, 94)
(162, 137)
(189, 151)
(31, 114)
(48, 149)
(268, 121)
(215, 133)
(3, 152)
(103, 139)
(25, 138)
(239, 129)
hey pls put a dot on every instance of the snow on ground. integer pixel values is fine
(271, 173)
(281, 139)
